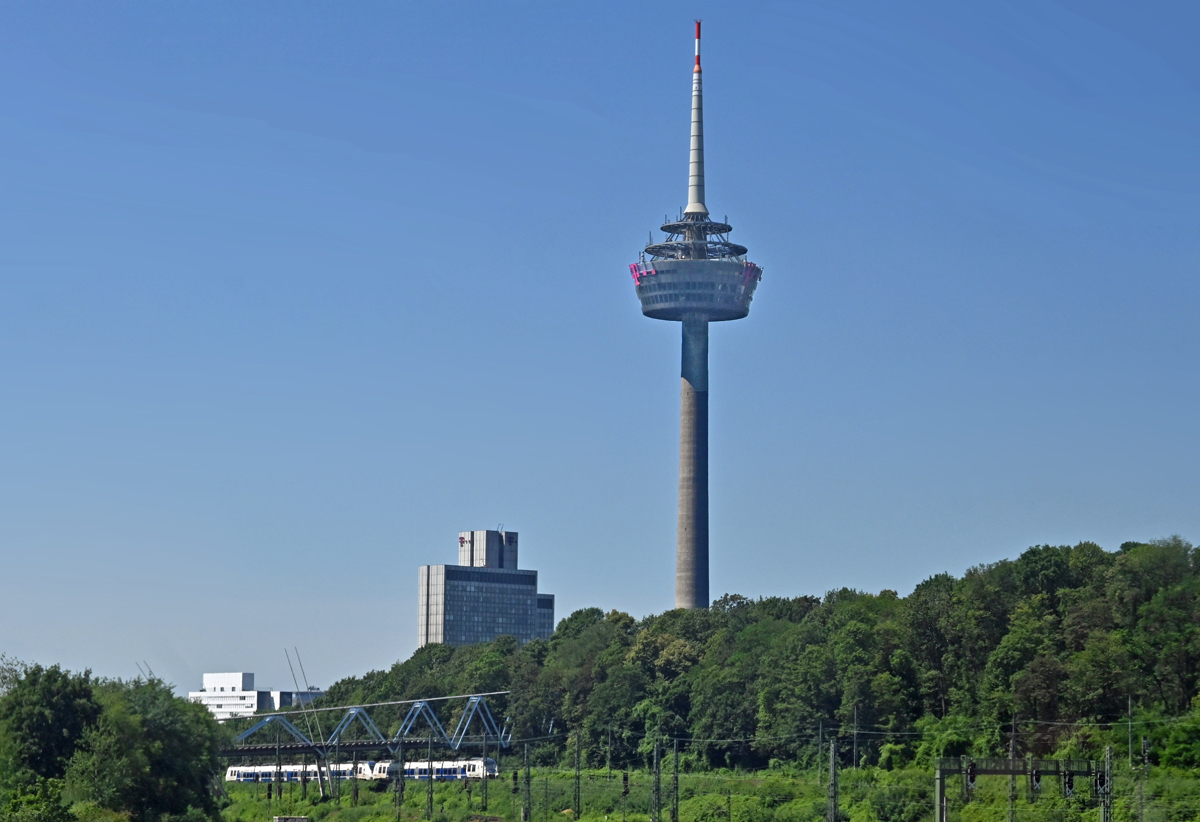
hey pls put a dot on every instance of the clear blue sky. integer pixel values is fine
(292, 292)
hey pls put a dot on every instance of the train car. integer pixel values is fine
(294, 772)
(347, 770)
(445, 769)
(288, 772)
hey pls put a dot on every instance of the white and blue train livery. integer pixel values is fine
(293, 772)
(418, 769)
(447, 769)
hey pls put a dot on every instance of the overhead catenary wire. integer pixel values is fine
(811, 734)
(372, 704)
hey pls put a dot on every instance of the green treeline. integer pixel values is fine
(78, 749)
(1061, 642)
(1053, 652)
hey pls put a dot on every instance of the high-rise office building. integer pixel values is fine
(483, 597)
(694, 276)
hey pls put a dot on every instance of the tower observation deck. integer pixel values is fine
(694, 276)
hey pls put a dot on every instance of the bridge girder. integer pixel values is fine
(421, 709)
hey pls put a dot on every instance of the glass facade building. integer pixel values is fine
(483, 597)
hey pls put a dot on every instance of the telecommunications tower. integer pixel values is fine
(695, 276)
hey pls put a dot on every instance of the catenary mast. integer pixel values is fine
(694, 277)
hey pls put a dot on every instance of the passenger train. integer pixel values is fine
(418, 769)
(457, 769)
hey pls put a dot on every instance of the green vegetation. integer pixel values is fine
(773, 795)
(1060, 641)
(1060, 653)
(702, 797)
(77, 749)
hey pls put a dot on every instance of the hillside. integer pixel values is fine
(1058, 644)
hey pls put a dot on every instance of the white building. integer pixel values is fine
(234, 694)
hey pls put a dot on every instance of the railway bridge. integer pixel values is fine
(420, 727)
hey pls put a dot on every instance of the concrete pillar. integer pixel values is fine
(691, 559)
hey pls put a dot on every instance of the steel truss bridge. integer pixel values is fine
(489, 731)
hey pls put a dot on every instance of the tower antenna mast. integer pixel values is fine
(696, 155)
(694, 277)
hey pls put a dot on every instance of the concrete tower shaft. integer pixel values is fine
(691, 547)
(694, 276)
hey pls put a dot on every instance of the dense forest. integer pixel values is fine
(1059, 653)
(1050, 649)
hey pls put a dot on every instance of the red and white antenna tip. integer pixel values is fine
(697, 46)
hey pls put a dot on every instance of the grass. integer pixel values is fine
(867, 795)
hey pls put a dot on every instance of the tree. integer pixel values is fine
(11, 671)
(151, 753)
(1059, 635)
(43, 717)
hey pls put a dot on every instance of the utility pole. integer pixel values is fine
(429, 780)
(609, 755)
(856, 737)
(939, 793)
(1012, 776)
(831, 805)
(1130, 717)
(527, 797)
(1106, 797)
(656, 799)
(577, 805)
(675, 786)
(820, 749)
(354, 784)
(483, 789)
(322, 767)
(400, 779)
(1143, 772)
(1035, 779)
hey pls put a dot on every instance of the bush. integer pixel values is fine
(800, 810)
(91, 812)
(39, 802)
(776, 792)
